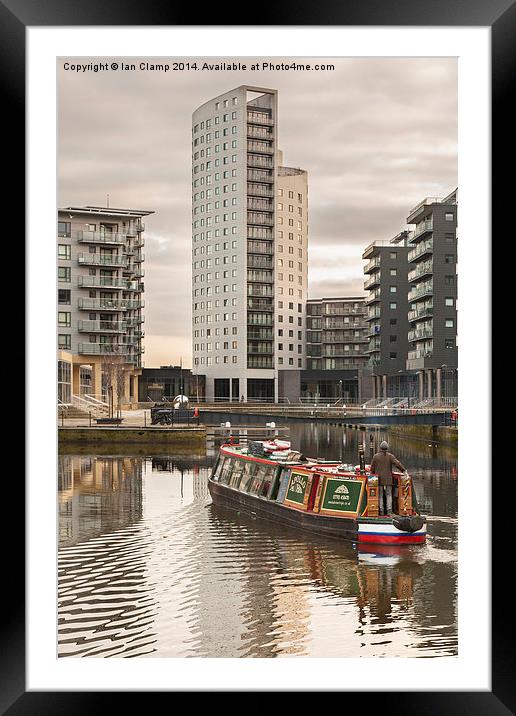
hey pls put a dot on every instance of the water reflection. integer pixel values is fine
(148, 566)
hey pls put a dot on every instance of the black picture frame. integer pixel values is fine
(15, 17)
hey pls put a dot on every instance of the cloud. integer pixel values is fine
(376, 136)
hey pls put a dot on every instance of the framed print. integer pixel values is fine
(225, 194)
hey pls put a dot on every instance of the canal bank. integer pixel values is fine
(183, 438)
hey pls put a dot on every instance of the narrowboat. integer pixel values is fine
(273, 482)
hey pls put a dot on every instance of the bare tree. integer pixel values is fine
(113, 367)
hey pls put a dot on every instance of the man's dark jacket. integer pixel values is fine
(382, 464)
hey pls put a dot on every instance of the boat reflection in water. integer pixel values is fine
(148, 566)
(368, 594)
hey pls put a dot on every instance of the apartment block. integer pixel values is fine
(236, 291)
(100, 299)
(336, 350)
(386, 285)
(432, 297)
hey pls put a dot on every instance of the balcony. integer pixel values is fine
(134, 321)
(416, 315)
(372, 315)
(103, 349)
(101, 304)
(372, 265)
(136, 229)
(254, 160)
(423, 249)
(373, 347)
(259, 190)
(424, 227)
(116, 284)
(259, 118)
(419, 208)
(102, 326)
(260, 262)
(254, 132)
(263, 176)
(374, 280)
(415, 355)
(102, 260)
(421, 291)
(255, 247)
(260, 147)
(265, 291)
(420, 334)
(425, 268)
(259, 219)
(373, 297)
(97, 237)
(260, 204)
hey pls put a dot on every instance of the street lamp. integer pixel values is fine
(340, 390)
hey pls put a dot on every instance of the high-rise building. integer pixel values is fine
(387, 308)
(236, 178)
(100, 301)
(432, 296)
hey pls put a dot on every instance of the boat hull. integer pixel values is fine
(338, 527)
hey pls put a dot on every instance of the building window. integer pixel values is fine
(393, 306)
(64, 296)
(448, 217)
(64, 273)
(64, 228)
(64, 252)
(392, 289)
(449, 259)
(393, 355)
(393, 255)
(64, 341)
(448, 301)
(449, 323)
(392, 272)
(449, 343)
(64, 318)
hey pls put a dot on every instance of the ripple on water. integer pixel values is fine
(159, 571)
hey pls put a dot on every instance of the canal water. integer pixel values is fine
(148, 567)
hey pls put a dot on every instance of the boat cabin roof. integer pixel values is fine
(333, 467)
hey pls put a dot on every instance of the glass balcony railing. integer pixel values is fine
(102, 326)
(101, 260)
(103, 349)
(99, 237)
(425, 247)
(421, 290)
(425, 268)
(106, 282)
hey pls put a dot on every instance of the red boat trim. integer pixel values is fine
(391, 539)
(248, 457)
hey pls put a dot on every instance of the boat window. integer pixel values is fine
(217, 468)
(247, 476)
(238, 468)
(226, 470)
(267, 480)
(258, 479)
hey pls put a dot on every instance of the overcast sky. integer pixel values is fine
(375, 135)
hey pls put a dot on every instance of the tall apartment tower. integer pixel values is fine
(100, 298)
(235, 181)
(387, 308)
(291, 280)
(433, 296)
